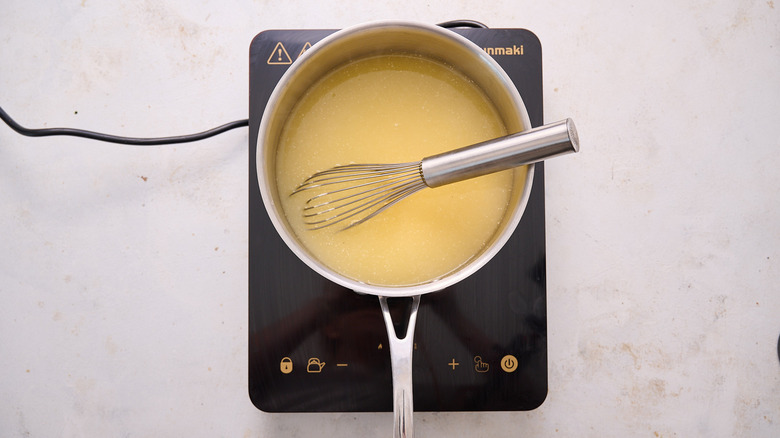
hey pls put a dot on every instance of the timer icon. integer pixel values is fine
(509, 363)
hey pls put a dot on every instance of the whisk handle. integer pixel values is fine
(499, 154)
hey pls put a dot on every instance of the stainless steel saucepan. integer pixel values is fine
(372, 39)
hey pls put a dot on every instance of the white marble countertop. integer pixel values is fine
(123, 270)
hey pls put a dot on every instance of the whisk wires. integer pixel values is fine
(354, 193)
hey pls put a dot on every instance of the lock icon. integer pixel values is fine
(286, 365)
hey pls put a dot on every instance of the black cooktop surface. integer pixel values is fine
(480, 345)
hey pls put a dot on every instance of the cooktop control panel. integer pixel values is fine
(481, 345)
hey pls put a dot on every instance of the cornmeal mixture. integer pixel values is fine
(392, 109)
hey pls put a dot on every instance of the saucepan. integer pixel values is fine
(371, 39)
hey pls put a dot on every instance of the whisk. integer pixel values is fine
(354, 193)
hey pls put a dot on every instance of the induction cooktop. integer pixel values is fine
(480, 345)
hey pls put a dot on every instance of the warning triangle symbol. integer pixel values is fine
(306, 47)
(279, 56)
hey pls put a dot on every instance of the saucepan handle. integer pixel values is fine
(401, 350)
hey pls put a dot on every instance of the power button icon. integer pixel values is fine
(509, 363)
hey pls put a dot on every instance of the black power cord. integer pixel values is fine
(463, 23)
(45, 132)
